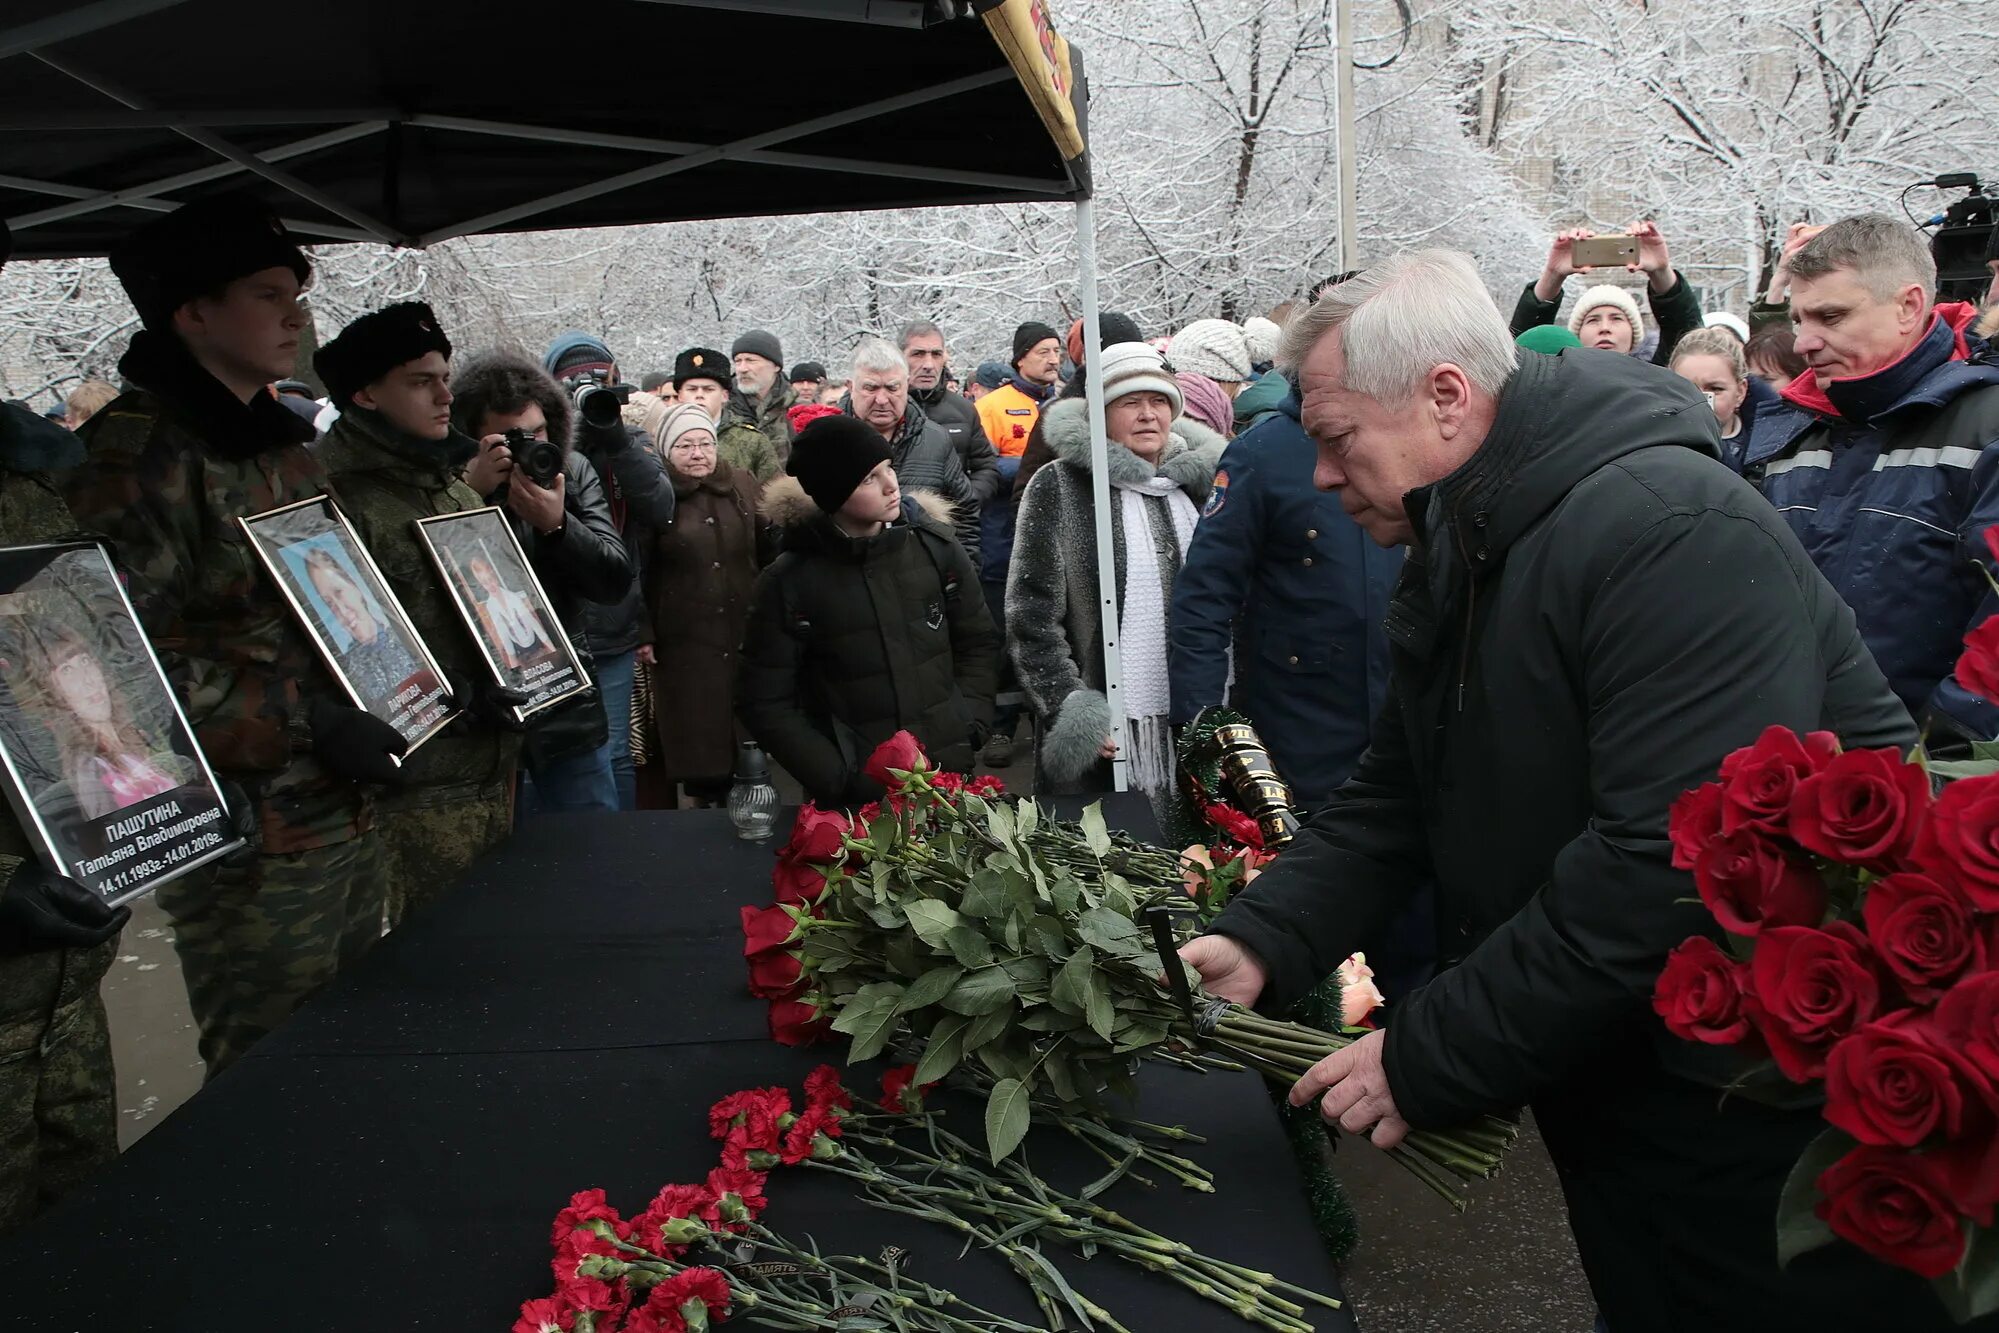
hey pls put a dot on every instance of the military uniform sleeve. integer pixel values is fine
(1220, 565)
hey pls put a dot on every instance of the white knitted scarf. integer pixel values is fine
(1148, 694)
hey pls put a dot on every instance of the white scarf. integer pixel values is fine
(1148, 693)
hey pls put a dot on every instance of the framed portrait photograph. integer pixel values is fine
(335, 589)
(101, 766)
(504, 605)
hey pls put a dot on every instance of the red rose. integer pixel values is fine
(1923, 932)
(1894, 1205)
(1978, 665)
(1695, 822)
(1750, 882)
(1758, 781)
(797, 881)
(824, 1088)
(1894, 1082)
(1808, 989)
(1968, 1016)
(899, 751)
(896, 1095)
(795, 1023)
(816, 835)
(766, 930)
(1864, 808)
(1699, 994)
(776, 976)
(1960, 841)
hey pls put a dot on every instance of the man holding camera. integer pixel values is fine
(395, 456)
(522, 420)
(641, 500)
(196, 442)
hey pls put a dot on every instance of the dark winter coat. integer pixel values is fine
(698, 585)
(1893, 503)
(641, 505)
(960, 421)
(1567, 662)
(851, 640)
(1278, 572)
(1677, 310)
(1053, 628)
(924, 460)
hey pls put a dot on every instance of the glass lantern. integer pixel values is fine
(752, 798)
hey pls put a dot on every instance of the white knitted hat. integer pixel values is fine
(1263, 337)
(1138, 367)
(1212, 347)
(1606, 294)
(680, 419)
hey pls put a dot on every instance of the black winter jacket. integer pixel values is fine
(960, 421)
(641, 504)
(850, 641)
(1595, 613)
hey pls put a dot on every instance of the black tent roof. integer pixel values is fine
(413, 121)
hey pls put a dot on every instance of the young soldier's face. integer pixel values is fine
(249, 330)
(415, 397)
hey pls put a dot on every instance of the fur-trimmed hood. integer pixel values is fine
(789, 509)
(1192, 450)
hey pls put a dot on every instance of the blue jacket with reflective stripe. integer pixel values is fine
(1893, 510)
(1278, 572)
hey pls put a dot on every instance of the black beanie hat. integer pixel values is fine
(760, 342)
(807, 370)
(1030, 336)
(376, 344)
(833, 455)
(199, 247)
(701, 363)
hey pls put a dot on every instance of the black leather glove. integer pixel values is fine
(485, 702)
(242, 824)
(355, 744)
(39, 909)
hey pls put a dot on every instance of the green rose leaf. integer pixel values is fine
(1051, 1020)
(931, 920)
(999, 822)
(987, 1027)
(870, 1018)
(928, 989)
(986, 895)
(1006, 1118)
(1798, 1228)
(1027, 817)
(1097, 1008)
(1972, 1291)
(1095, 834)
(980, 992)
(1071, 991)
(946, 1048)
(968, 946)
(1111, 932)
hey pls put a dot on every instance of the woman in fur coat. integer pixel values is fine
(1161, 469)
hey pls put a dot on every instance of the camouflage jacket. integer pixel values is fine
(171, 465)
(387, 482)
(767, 418)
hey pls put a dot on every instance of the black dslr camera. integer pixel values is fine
(540, 461)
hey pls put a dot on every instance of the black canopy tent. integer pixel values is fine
(411, 123)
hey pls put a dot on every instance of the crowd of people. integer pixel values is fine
(1541, 575)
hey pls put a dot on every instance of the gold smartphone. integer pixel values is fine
(1604, 252)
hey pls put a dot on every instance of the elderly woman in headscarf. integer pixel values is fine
(1161, 467)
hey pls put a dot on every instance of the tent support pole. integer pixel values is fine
(1100, 483)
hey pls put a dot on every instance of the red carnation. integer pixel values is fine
(549, 1314)
(1808, 989)
(584, 1206)
(573, 1249)
(1234, 823)
(766, 930)
(1968, 1017)
(1923, 932)
(748, 1112)
(665, 1309)
(816, 835)
(797, 881)
(1960, 841)
(1865, 808)
(798, 1140)
(900, 751)
(948, 783)
(801, 415)
(1699, 994)
(1978, 665)
(741, 1181)
(986, 785)
(1750, 882)
(1895, 1082)
(672, 1204)
(796, 1023)
(824, 1088)
(1895, 1205)
(1758, 781)
(1695, 822)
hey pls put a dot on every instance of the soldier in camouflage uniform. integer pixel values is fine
(396, 458)
(196, 442)
(58, 1100)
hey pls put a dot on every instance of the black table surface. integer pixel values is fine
(392, 1157)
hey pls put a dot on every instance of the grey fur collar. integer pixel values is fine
(1192, 450)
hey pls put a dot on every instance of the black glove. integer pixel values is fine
(242, 824)
(355, 744)
(39, 909)
(485, 702)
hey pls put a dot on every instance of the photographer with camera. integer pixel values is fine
(641, 498)
(524, 423)
(1607, 316)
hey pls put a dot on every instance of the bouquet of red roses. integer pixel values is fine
(1858, 958)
